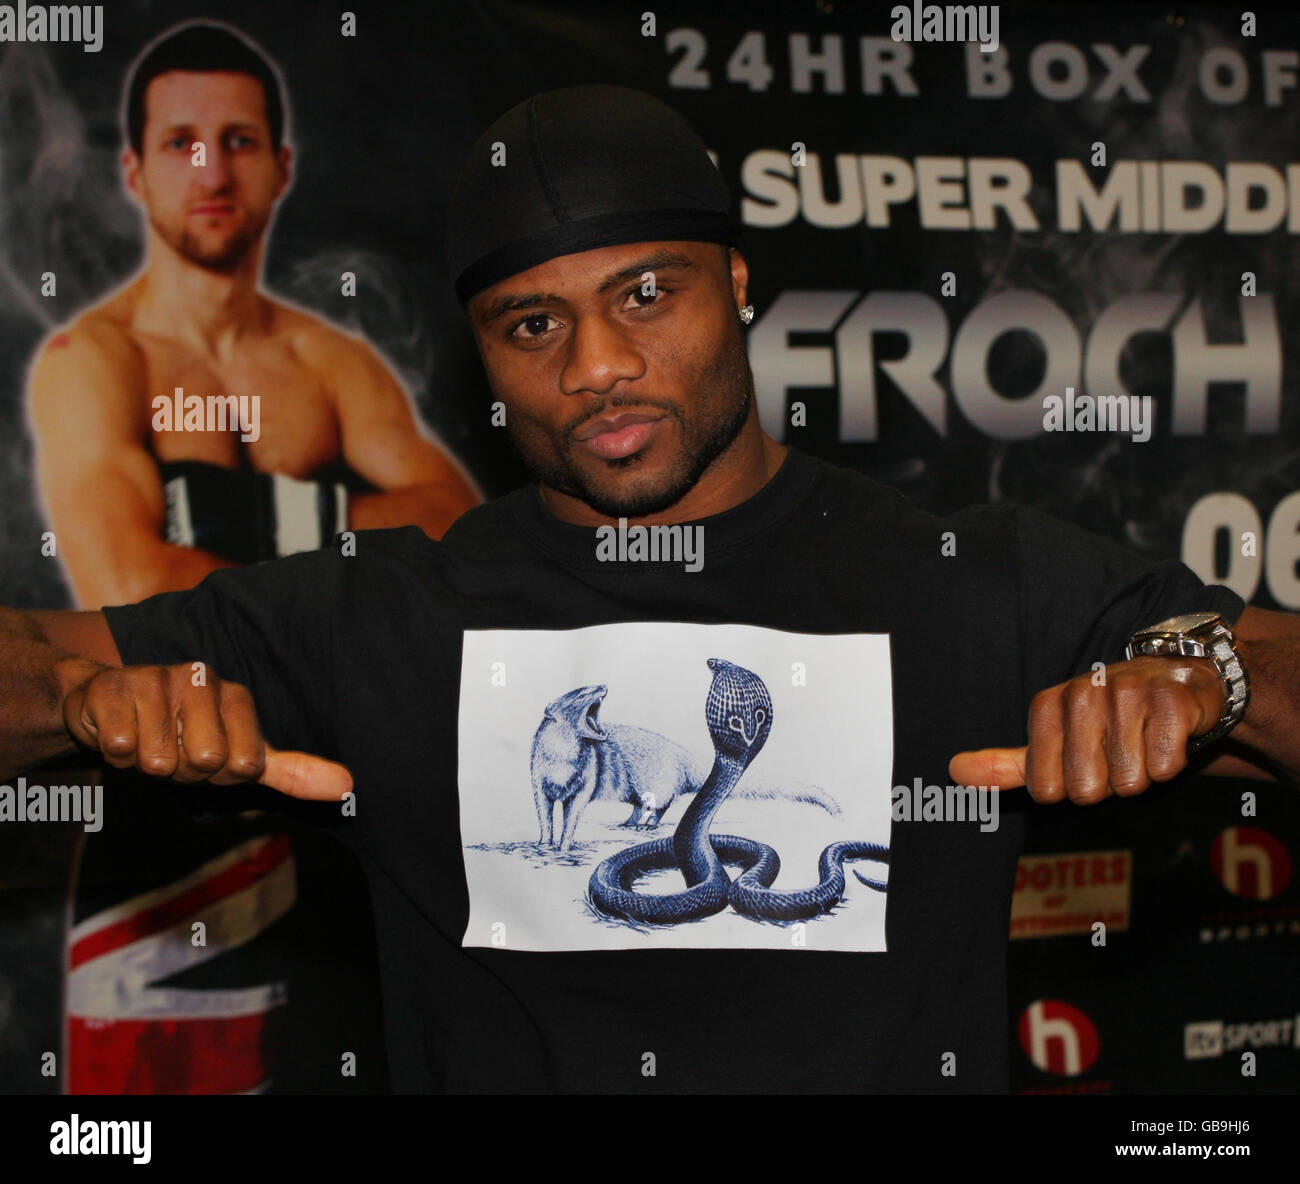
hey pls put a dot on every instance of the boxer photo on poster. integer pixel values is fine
(188, 422)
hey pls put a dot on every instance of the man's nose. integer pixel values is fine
(600, 355)
(215, 171)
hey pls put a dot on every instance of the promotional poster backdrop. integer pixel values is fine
(1105, 206)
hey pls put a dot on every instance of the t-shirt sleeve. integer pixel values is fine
(268, 626)
(1083, 595)
(286, 630)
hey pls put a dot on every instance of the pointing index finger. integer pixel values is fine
(1000, 768)
(302, 775)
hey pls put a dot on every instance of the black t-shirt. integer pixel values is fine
(477, 685)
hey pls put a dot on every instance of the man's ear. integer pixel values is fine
(131, 167)
(284, 158)
(739, 276)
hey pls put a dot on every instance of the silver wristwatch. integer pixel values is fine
(1200, 635)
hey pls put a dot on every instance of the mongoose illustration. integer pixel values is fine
(576, 758)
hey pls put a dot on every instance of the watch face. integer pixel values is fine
(1185, 623)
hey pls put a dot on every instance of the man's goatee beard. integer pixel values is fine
(229, 260)
(232, 255)
(651, 502)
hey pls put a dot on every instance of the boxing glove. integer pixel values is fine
(248, 516)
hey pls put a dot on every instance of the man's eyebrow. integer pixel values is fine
(504, 304)
(659, 261)
(172, 129)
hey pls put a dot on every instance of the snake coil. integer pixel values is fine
(738, 712)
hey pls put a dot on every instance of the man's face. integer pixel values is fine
(615, 392)
(214, 213)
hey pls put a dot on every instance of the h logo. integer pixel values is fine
(1250, 862)
(1058, 1038)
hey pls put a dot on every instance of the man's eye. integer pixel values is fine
(534, 325)
(643, 298)
(241, 141)
(177, 142)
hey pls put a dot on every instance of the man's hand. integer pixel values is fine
(1087, 742)
(153, 718)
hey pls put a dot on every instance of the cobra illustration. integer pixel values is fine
(738, 712)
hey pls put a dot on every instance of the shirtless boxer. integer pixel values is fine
(331, 412)
(140, 506)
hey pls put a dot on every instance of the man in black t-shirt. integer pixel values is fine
(650, 763)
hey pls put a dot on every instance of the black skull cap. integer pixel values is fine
(584, 167)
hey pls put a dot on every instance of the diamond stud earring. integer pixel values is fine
(747, 314)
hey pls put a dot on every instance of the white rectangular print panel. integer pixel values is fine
(654, 785)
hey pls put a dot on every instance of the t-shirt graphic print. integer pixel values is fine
(651, 785)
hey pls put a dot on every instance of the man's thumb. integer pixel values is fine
(301, 775)
(1001, 768)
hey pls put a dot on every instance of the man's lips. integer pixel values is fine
(214, 207)
(613, 436)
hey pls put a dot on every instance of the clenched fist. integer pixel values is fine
(155, 719)
(1088, 741)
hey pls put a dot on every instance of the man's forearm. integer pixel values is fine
(166, 567)
(432, 507)
(35, 678)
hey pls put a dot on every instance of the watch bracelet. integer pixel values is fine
(1221, 638)
(1234, 704)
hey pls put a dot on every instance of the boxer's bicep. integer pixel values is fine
(99, 483)
(382, 438)
(85, 634)
(85, 393)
